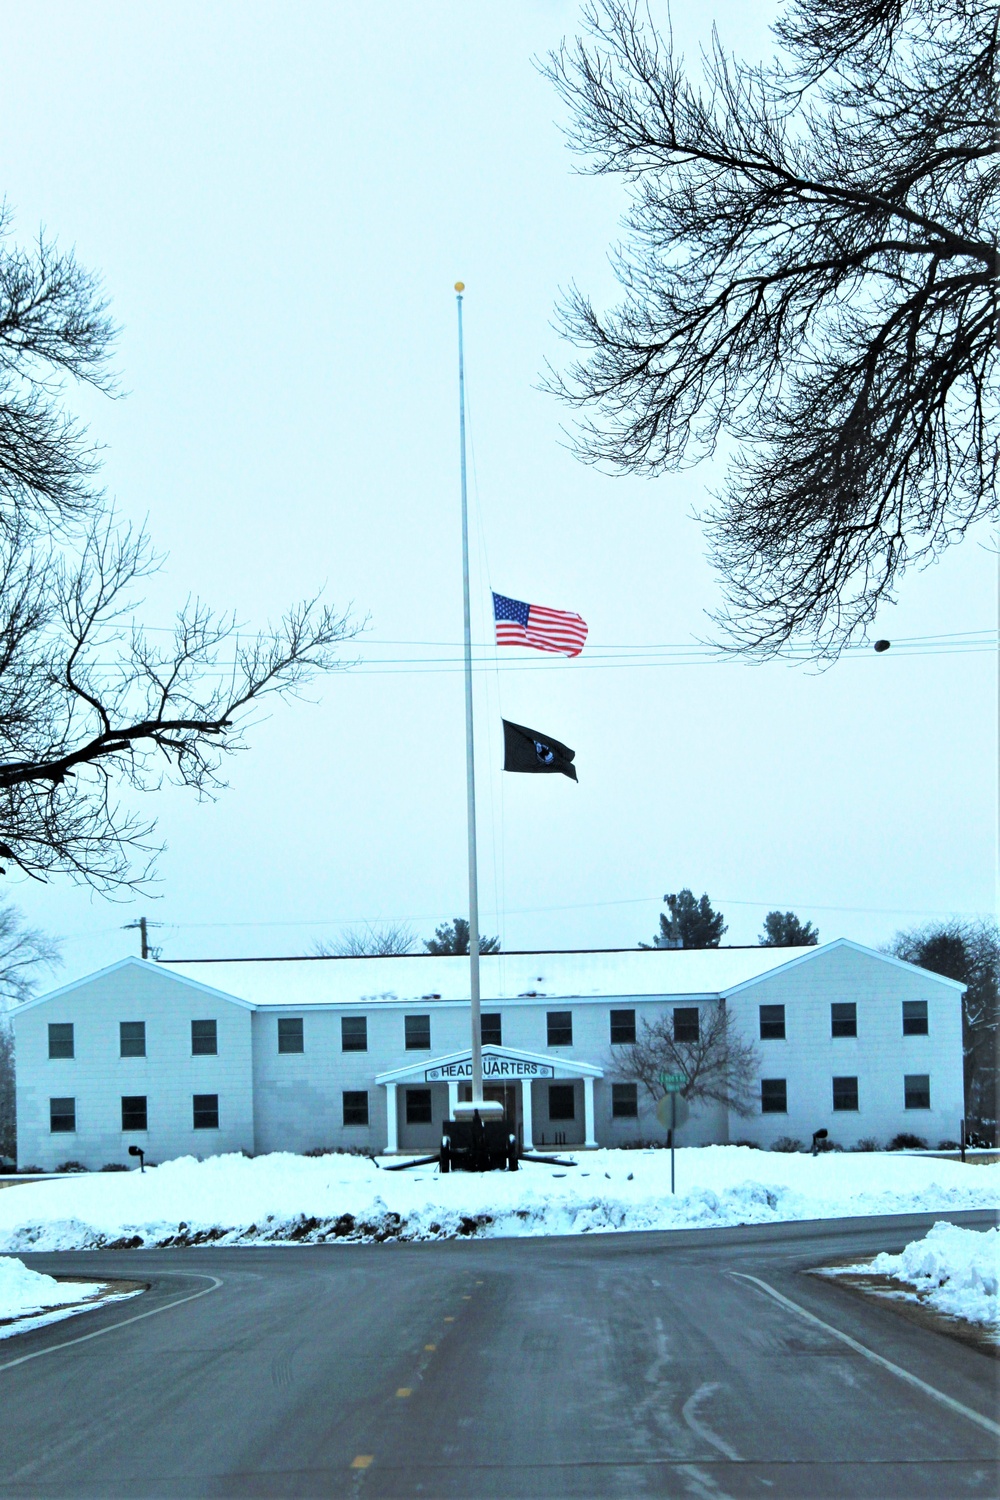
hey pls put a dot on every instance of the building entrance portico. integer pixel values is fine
(508, 1076)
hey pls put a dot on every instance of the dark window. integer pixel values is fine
(418, 1107)
(62, 1114)
(204, 1039)
(355, 1106)
(844, 1020)
(917, 1091)
(418, 1033)
(560, 1030)
(354, 1038)
(206, 1111)
(132, 1038)
(490, 1029)
(914, 1018)
(845, 1093)
(773, 1096)
(562, 1101)
(772, 1023)
(686, 1023)
(624, 1101)
(61, 1040)
(622, 1027)
(134, 1112)
(290, 1038)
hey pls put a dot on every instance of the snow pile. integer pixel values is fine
(23, 1292)
(955, 1270)
(285, 1198)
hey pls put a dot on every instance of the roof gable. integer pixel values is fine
(126, 963)
(811, 954)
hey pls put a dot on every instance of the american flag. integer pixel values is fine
(521, 624)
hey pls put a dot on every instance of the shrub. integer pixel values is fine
(787, 1143)
(827, 1145)
(31, 1171)
(907, 1142)
(114, 1166)
(753, 1145)
(72, 1166)
(867, 1143)
(948, 1146)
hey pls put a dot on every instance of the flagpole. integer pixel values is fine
(470, 762)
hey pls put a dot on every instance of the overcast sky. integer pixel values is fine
(279, 198)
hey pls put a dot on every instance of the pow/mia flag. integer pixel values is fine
(528, 750)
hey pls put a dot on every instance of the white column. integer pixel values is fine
(527, 1127)
(391, 1132)
(452, 1098)
(588, 1112)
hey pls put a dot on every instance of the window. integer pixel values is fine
(686, 1023)
(204, 1039)
(844, 1019)
(355, 1105)
(622, 1027)
(624, 1101)
(418, 1107)
(490, 1029)
(354, 1038)
(917, 1091)
(562, 1101)
(914, 1018)
(772, 1023)
(418, 1033)
(773, 1096)
(132, 1039)
(560, 1030)
(206, 1111)
(61, 1041)
(62, 1114)
(290, 1037)
(134, 1112)
(845, 1093)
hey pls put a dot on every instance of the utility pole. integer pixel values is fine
(144, 925)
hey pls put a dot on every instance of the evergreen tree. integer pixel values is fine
(782, 929)
(453, 937)
(691, 924)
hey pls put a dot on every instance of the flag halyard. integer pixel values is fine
(520, 624)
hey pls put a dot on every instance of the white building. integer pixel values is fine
(264, 1055)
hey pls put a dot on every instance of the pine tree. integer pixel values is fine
(782, 929)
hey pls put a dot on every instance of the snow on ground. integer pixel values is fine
(956, 1271)
(30, 1299)
(284, 1198)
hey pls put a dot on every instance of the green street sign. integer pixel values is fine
(673, 1082)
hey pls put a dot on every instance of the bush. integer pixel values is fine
(72, 1166)
(948, 1146)
(787, 1143)
(827, 1145)
(114, 1166)
(907, 1142)
(31, 1171)
(867, 1143)
(753, 1145)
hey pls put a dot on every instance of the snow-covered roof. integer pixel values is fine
(504, 976)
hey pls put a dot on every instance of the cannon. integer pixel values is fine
(478, 1145)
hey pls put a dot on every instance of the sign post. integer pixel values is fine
(672, 1111)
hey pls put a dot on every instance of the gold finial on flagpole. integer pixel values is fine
(460, 286)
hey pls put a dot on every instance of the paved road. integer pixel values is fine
(616, 1365)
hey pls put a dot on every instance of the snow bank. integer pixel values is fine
(284, 1198)
(955, 1270)
(23, 1292)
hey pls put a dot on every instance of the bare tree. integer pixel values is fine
(25, 954)
(719, 1063)
(810, 270)
(392, 939)
(92, 708)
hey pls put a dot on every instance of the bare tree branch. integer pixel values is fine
(810, 271)
(720, 1066)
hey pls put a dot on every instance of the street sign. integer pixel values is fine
(672, 1111)
(673, 1082)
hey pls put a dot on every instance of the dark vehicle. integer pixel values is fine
(478, 1145)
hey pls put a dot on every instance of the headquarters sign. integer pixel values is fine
(503, 1068)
